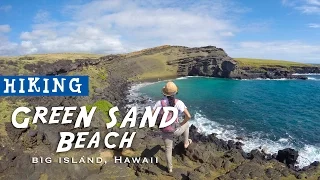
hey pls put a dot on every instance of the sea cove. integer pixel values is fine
(268, 114)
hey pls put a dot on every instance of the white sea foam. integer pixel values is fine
(134, 94)
(182, 78)
(307, 154)
(187, 77)
(298, 74)
(314, 79)
(283, 140)
(267, 79)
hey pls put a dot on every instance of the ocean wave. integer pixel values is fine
(307, 154)
(314, 79)
(258, 79)
(281, 79)
(283, 140)
(266, 79)
(135, 94)
(187, 77)
(182, 78)
(134, 89)
(314, 74)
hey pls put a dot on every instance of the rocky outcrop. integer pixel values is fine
(266, 73)
(288, 156)
(213, 62)
(211, 158)
(64, 66)
(275, 72)
(306, 70)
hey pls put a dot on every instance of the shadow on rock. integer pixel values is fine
(151, 153)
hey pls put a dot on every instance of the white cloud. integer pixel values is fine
(314, 2)
(7, 47)
(313, 25)
(120, 26)
(81, 39)
(38, 34)
(309, 9)
(286, 50)
(5, 28)
(304, 6)
(41, 16)
(5, 8)
(288, 2)
(227, 34)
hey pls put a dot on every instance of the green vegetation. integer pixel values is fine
(154, 63)
(97, 76)
(6, 108)
(43, 177)
(10, 64)
(154, 66)
(103, 107)
(257, 63)
(51, 57)
(21, 117)
(4, 116)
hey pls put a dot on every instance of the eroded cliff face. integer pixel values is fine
(212, 62)
(274, 72)
(305, 70)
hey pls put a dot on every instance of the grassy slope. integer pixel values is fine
(257, 63)
(9, 68)
(154, 66)
(153, 61)
(51, 57)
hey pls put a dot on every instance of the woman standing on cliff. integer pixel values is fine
(169, 91)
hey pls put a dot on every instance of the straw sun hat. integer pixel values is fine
(169, 89)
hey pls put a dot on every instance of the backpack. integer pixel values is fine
(171, 128)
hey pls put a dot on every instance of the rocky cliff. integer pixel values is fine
(213, 62)
(305, 70)
(162, 62)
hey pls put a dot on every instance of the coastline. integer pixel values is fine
(111, 78)
(248, 144)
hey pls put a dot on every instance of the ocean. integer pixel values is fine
(268, 114)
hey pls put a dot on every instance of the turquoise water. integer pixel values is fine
(273, 114)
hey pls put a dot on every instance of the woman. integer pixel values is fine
(169, 91)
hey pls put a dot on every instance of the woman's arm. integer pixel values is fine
(187, 117)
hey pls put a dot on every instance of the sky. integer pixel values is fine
(273, 29)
